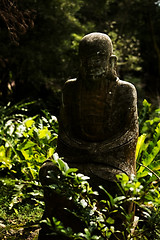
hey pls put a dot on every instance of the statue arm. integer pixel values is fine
(130, 131)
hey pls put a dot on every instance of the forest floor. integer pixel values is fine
(21, 234)
(21, 222)
(14, 230)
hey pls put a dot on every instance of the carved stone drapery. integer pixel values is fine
(98, 127)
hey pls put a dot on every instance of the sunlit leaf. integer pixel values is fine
(26, 144)
(44, 133)
(140, 145)
(50, 152)
(29, 122)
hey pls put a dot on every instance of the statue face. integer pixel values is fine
(94, 67)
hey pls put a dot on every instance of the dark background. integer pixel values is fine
(39, 45)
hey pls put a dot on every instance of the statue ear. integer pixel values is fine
(113, 62)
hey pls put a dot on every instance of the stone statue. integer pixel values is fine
(98, 127)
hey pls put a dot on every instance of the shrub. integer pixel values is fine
(26, 142)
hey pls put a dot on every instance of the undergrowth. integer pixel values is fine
(26, 142)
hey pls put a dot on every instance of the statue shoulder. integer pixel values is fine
(69, 88)
(70, 83)
(127, 87)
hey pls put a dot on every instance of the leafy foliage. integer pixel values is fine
(148, 146)
(26, 142)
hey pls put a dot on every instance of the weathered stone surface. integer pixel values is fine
(98, 125)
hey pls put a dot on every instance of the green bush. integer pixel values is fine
(26, 142)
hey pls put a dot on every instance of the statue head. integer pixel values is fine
(96, 57)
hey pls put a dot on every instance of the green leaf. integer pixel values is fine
(119, 199)
(50, 152)
(140, 145)
(149, 158)
(29, 122)
(141, 174)
(63, 166)
(28, 154)
(25, 145)
(71, 170)
(2, 152)
(156, 166)
(110, 220)
(44, 133)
